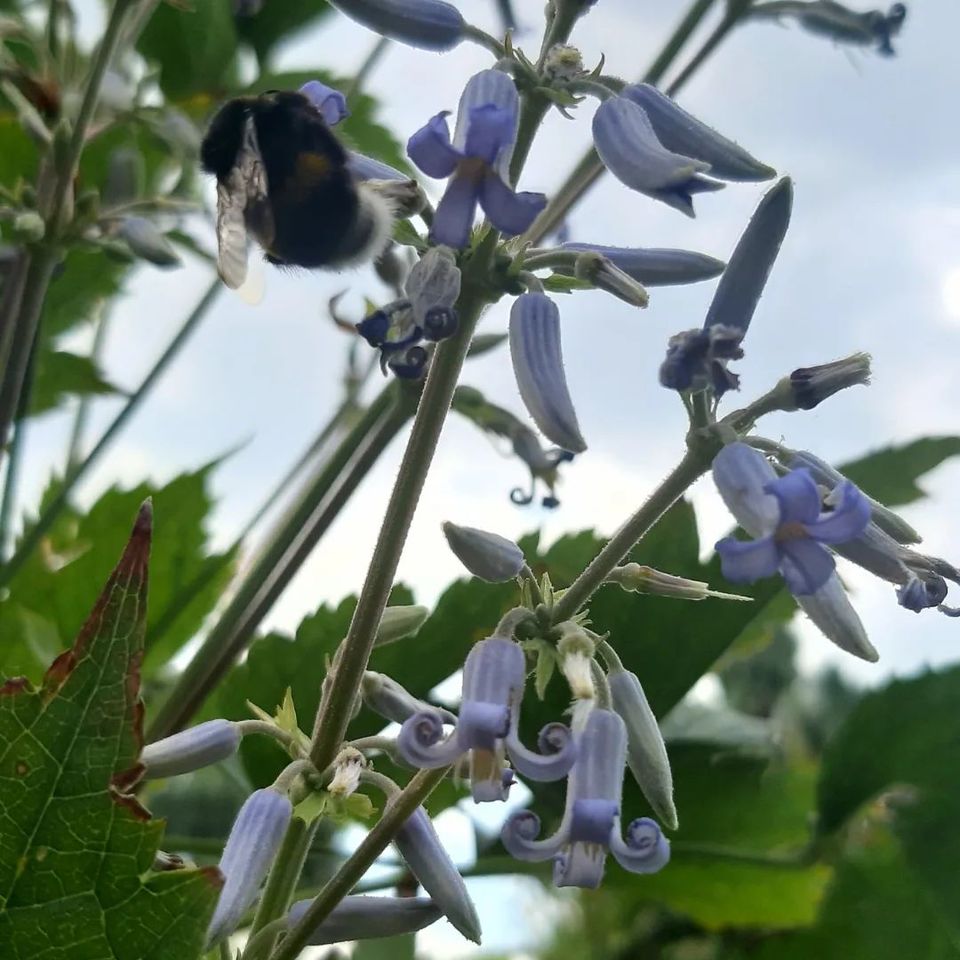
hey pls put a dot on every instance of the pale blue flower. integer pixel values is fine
(426, 24)
(190, 749)
(655, 267)
(363, 918)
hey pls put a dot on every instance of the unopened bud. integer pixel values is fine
(563, 62)
(191, 749)
(576, 651)
(399, 622)
(384, 696)
(148, 243)
(348, 766)
(426, 24)
(486, 555)
(29, 226)
(807, 387)
(646, 752)
(637, 578)
(604, 274)
(360, 918)
(434, 281)
(249, 852)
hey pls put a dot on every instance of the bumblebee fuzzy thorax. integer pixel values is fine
(283, 178)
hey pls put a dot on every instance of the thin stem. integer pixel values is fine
(397, 812)
(354, 653)
(282, 882)
(261, 727)
(36, 533)
(355, 84)
(269, 575)
(693, 465)
(533, 108)
(83, 406)
(589, 169)
(481, 37)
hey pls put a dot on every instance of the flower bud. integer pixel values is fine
(420, 847)
(29, 226)
(807, 387)
(653, 267)
(637, 578)
(361, 918)
(347, 768)
(739, 289)
(486, 555)
(191, 749)
(399, 622)
(563, 62)
(426, 24)
(646, 751)
(147, 242)
(384, 696)
(538, 366)
(434, 281)
(683, 133)
(253, 843)
(576, 650)
(604, 274)
(830, 609)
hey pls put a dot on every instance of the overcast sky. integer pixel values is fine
(871, 262)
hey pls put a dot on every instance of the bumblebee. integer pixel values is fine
(284, 178)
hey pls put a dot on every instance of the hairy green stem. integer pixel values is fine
(397, 812)
(284, 876)
(19, 337)
(293, 542)
(73, 476)
(353, 654)
(589, 169)
(694, 464)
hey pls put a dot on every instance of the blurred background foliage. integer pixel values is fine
(815, 820)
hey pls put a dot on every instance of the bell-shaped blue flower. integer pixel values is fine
(631, 151)
(793, 529)
(331, 103)
(361, 918)
(591, 820)
(494, 675)
(425, 24)
(784, 515)
(477, 161)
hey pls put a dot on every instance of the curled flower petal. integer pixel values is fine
(656, 267)
(254, 840)
(421, 741)
(510, 212)
(331, 103)
(555, 762)
(191, 749)
(426, 24)
(830, 609)
(519, 838)
(421, 848)
(630, 150)
(683, 133)
(384, 696)
(644, 849)
(739, 289)
(742, 475)
(360, 918)
(430, 148)
(580, 865)
(486, 555)
(917, 594)
(538, 366)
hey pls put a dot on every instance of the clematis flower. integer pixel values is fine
(486, 555)
(487, 729)
(542, 463)
(784, 515)
(697, 359)
(591, 821)
(425, 24)
(477, 161)
(361, 918)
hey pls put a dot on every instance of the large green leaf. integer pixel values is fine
(61, 374)
(77, 851)
(45, 603)
(194, 47)
(86, 280)
(276, 22)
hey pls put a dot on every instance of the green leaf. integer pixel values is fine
(84, 283)
(386, 948)
(75, 865)
(54, 583)
(276, 22)
(903, 734)
(18, 159)
(195, 48)
(890, 475)
(60, 375)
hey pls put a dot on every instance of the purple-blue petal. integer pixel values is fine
(550, 765)
(746, 561)
(491, 128)
(644, 850)
(798, 496)
(741, 474)
(481, 724)
(421, 741)
(806, 566)
(510, 212)
(580, 865)
(453, 219)
(494, 672)
(592, 820)
(430, 148)
(488, 87)
(830, 609)
(519, 838)
(848, 519)
(331, 103)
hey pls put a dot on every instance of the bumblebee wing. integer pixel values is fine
(242, 199)
(231, 231)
